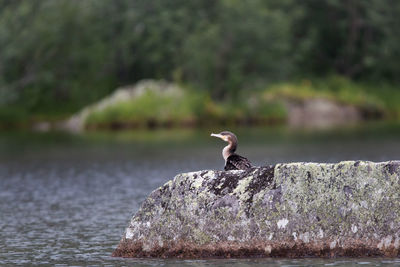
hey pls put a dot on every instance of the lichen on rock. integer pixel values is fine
(350, 208)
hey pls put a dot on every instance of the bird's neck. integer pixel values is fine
(228, 150)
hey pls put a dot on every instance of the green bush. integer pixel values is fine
(187, 109)
(151, 108)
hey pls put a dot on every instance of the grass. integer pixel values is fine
(149, 107)
(191, 108)
(335, 88)
(382, 98)
(196, 108)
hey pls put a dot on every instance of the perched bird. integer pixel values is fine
(232, 160)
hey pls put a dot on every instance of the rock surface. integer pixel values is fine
(321, 113)
(350, 208)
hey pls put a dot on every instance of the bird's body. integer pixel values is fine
(233, 161)
(237, 162)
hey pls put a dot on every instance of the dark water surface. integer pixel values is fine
(66, 200)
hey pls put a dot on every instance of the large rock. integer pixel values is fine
(350, 208)
(321, 113)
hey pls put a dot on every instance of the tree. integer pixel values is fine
(352, 38)
(240, 48)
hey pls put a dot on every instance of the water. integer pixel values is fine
(66, 200)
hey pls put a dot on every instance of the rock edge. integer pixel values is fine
(347, 209)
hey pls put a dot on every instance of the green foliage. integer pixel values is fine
(379, 97)
(150, 108)
(52, 55)
(357, 39)
(194, 108)
(187, 109)
(12, 117)
(58, 56)
(334, 88)
(239, 49)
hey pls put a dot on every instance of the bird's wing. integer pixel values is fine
(236, 162)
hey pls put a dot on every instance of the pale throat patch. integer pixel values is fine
(226, 152)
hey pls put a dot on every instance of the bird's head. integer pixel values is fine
(226, 136)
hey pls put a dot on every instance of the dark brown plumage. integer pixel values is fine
(233, 161)
(237, 162)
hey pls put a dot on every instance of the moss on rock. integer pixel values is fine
(350, 208)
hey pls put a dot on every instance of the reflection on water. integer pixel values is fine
(67, 199)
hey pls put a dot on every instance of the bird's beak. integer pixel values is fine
(219, 136)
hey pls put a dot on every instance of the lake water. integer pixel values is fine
(66, 199)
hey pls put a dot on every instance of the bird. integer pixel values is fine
(233, 161)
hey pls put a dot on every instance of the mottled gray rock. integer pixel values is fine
(350, 208)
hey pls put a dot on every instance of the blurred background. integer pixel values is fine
(102, 102)
(234, 62)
